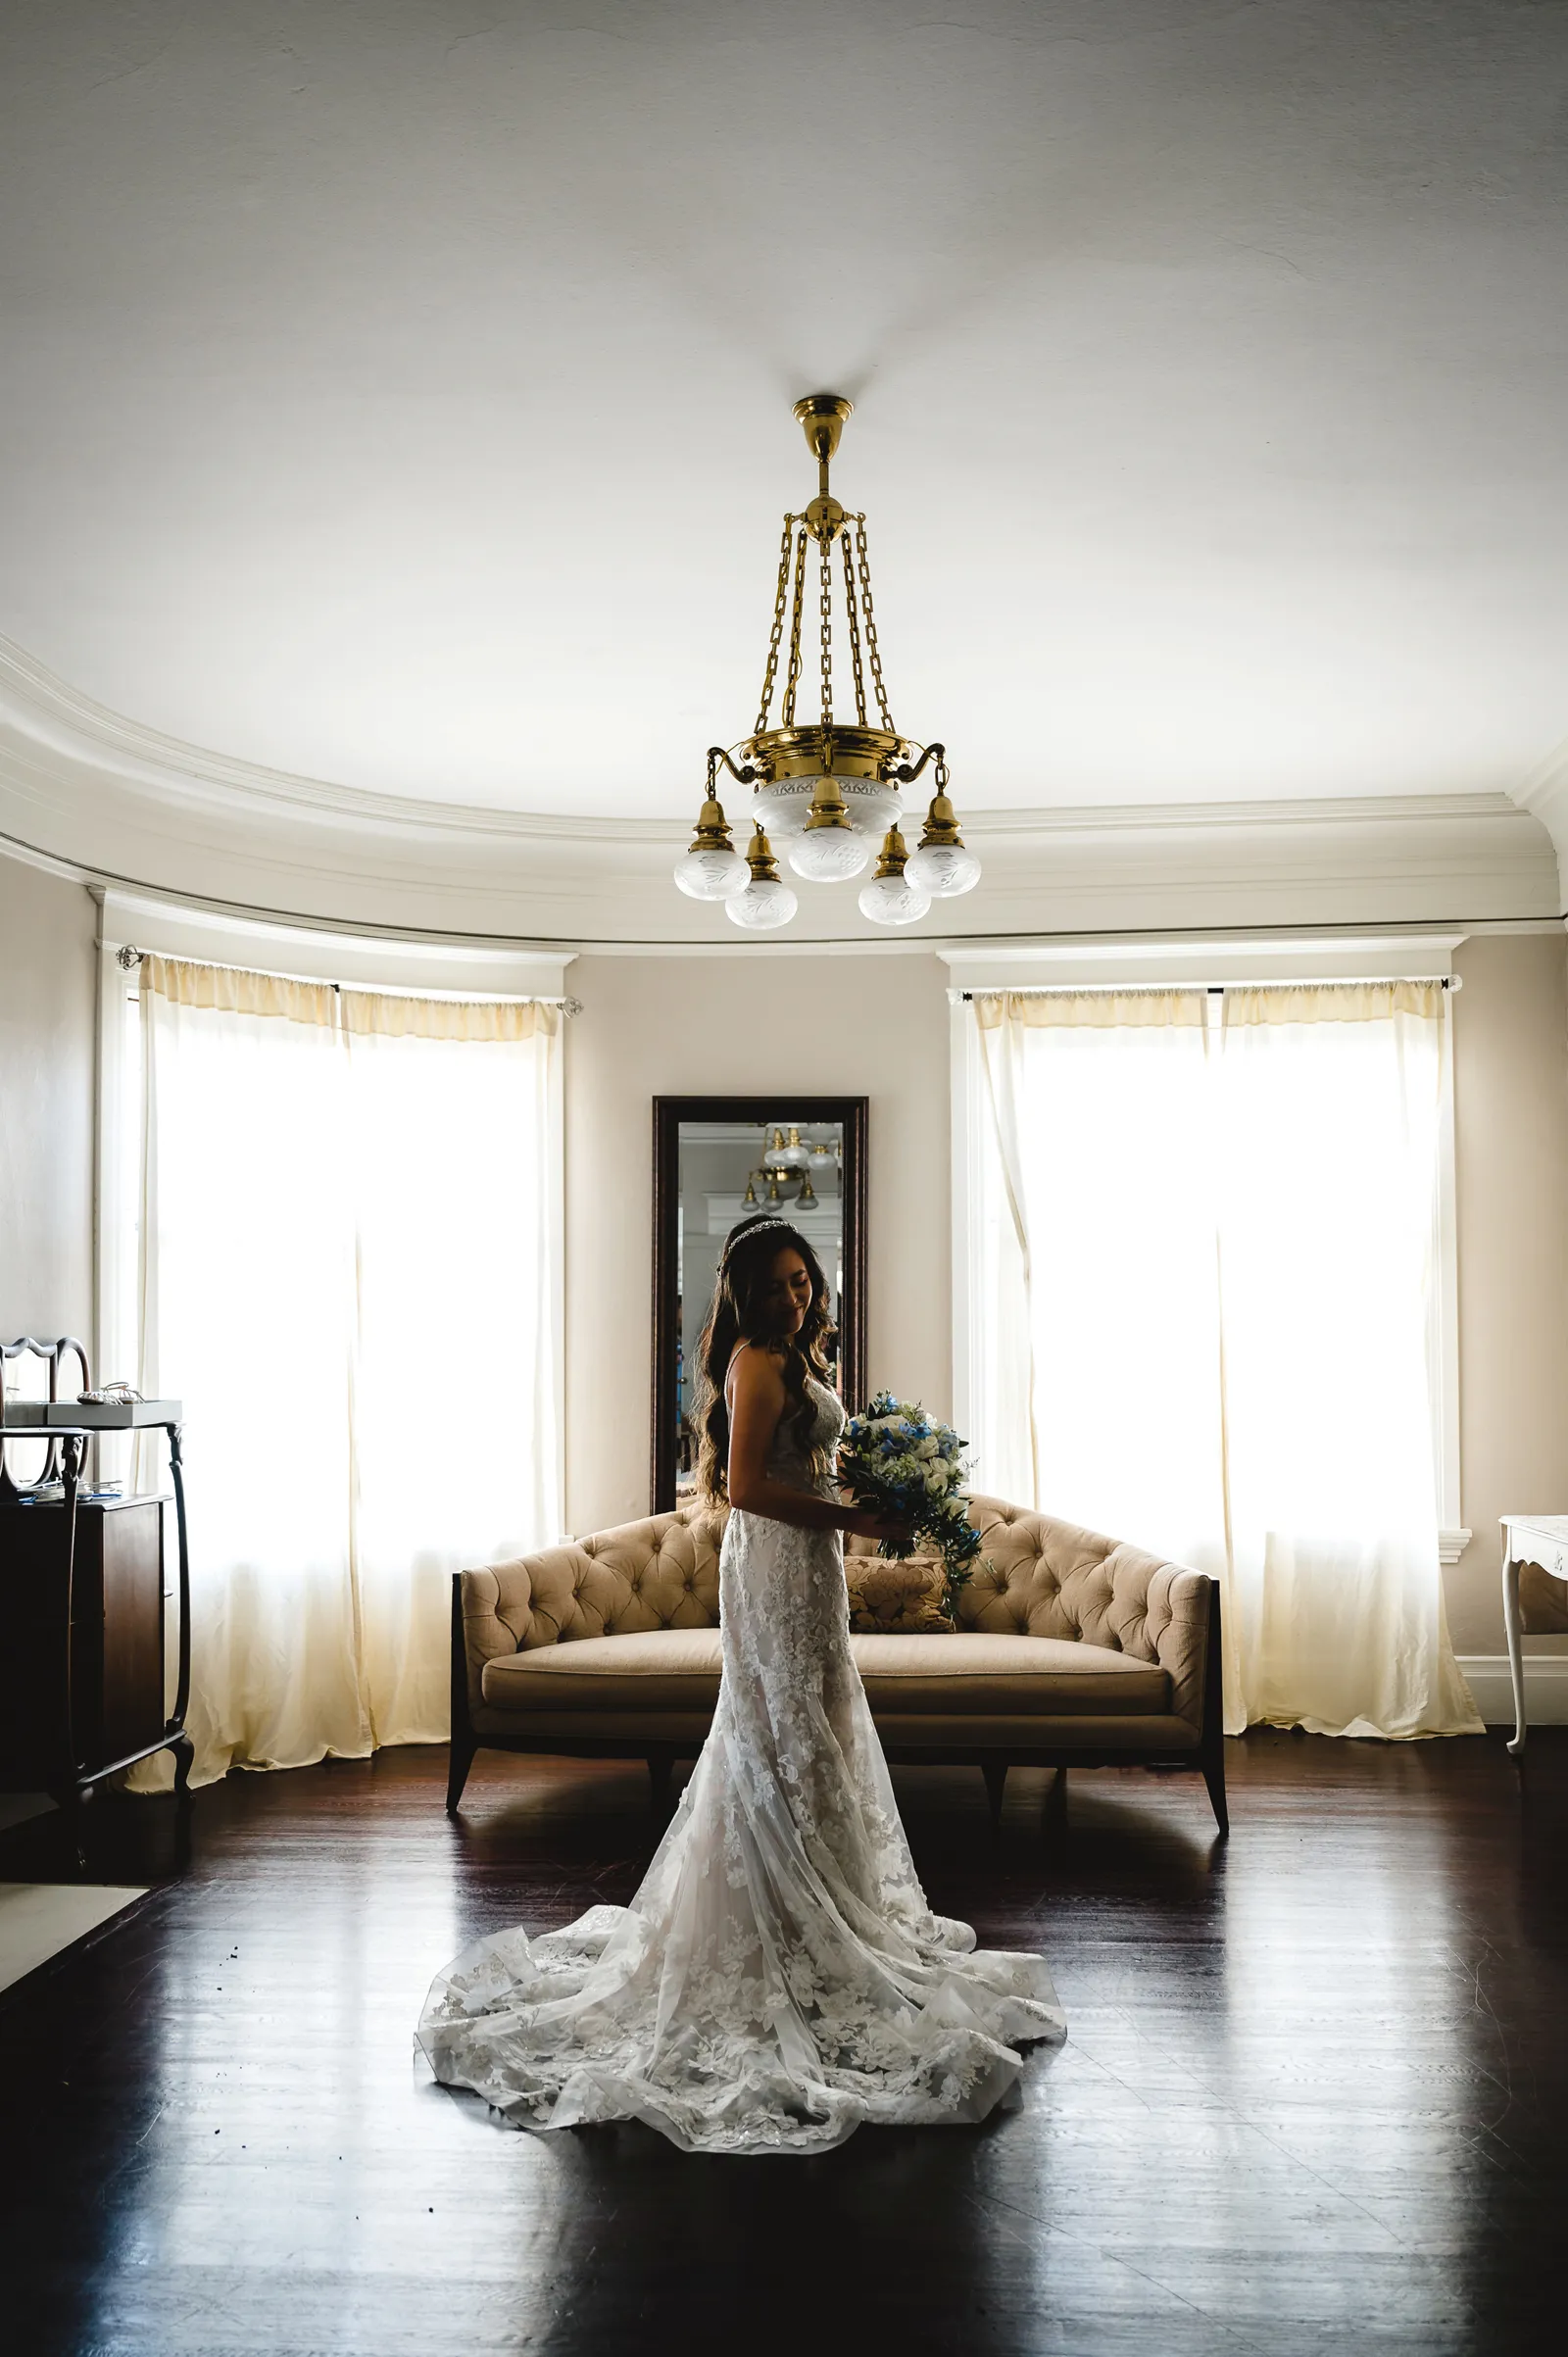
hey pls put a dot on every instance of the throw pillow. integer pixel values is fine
(887, 1597)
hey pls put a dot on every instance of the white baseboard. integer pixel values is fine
(1546, 1688)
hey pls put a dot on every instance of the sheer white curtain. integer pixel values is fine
(347, 1229)
(1221, 1228)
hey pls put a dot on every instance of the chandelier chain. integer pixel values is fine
(852, 614)
(794, 679)
(869, 613)
(851, 768)
(781, 599)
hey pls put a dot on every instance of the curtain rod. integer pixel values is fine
(1162, 990)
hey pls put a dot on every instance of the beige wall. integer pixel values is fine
(729, 1026)
(48, 1017)
(1510, 1051)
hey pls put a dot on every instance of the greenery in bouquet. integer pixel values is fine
(905, 1465)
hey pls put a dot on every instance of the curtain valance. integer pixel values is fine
(1333, 1003)
(1271, 1003)
(1089, 1009)
(384, 1015)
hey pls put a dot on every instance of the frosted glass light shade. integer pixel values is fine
(943, 869)
(764, 904)
(784, 806)
(709, 874)
(893, 900)
(830, 855)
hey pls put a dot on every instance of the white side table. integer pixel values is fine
(1527, 1538)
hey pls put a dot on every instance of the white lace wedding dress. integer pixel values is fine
(778, 1978)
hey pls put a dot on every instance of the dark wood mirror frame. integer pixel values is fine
(668, 1114)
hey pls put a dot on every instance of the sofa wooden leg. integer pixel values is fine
(461, 1743)
(460, 1761)
(1056, 1802)
(995, 1772)
(659, 1765)
(1212, 1744)
(1214, 1778)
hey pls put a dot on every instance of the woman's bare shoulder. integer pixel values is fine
(754, 1369)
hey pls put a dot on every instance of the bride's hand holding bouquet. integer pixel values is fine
(892, 1533)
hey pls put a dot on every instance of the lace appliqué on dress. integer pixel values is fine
(778, 1978)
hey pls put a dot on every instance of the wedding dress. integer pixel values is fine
(778, 1978)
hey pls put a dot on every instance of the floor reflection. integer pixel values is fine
(1310, 2100)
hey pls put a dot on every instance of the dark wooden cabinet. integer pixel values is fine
(114, 1707)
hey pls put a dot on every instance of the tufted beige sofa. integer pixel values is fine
(1071, 1649)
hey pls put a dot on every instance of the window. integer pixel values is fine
(1203, 1266)
(331, 1226)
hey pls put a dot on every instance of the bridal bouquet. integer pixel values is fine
(899, 1461)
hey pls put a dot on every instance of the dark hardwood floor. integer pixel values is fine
(1313, 2098)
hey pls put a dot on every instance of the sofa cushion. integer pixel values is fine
(1051, 1677)
(672, 1669)
(677, 1669)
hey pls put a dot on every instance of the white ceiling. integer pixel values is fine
(397, 393)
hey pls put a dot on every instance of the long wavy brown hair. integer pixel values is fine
(739, 1313)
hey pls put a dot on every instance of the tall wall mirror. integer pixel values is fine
(715, 1160)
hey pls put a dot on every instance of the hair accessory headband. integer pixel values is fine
(759, 1227)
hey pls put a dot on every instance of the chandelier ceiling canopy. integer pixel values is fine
(828, 790)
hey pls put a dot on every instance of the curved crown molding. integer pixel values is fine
(121, 804)
(55, 714)
(1544, 793)
(49, 709)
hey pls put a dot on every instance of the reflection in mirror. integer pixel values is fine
(728, 1171)
(719, 1160)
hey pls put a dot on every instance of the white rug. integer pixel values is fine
(38, 1919)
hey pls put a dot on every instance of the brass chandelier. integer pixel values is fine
(827, 790)
(791, 1163)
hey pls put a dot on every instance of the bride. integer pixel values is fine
(778, 1978)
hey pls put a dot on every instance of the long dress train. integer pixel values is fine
(778, 1978)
